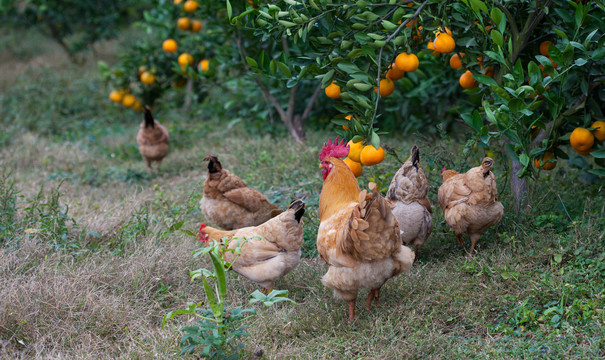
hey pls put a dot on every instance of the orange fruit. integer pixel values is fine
(116, 96)
(455, 61)
(141, 70)
(407, 63)
(489, 71)
(543, 161)
(355, 150)
(431, 46)
(128, 100)
(190, 6)
(185, 59)
(371, 156)
(183, 23)
(204, 65)
(410, 4)
(386, 87)
(333, 90)
(196, 25)
(444, 43)
(581, 140)
(147, 78)
(447, 31)
(176, 2)
(355, 167)
(169, 46)
(544, 47)
(467, 81)
(599, 131)
(395, 73)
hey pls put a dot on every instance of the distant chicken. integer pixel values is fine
(230, 203)
(408, 193)
(470, 201)
(272, 249)
(358, 235)
(152, 139)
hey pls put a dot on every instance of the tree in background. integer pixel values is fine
(534, 67)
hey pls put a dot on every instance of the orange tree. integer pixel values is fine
(74, 25)
(529, 102)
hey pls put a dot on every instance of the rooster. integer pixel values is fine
(358, 235)
(470, 201)
(409, 193)
(152, 139)
(230, 203)
(270, 250)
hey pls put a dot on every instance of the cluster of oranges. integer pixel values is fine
(360, 155)
(582, 139)
(184, 23)
(125, 98)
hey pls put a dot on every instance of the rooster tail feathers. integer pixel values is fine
(149, 121)
(299, 209)
(415, 156)
(214, 165)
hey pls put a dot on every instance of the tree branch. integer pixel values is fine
(510, 18)
(530, 25)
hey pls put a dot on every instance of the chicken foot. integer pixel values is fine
(373, 295)
(474, 238)
(267, 291)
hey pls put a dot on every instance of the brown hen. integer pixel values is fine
(152, 139)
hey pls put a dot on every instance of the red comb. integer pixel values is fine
(334, 149)
(441, 171)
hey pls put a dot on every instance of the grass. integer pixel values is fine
(90, 261)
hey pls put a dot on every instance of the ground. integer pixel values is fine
(90, 259)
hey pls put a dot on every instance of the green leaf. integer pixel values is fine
(362, 86)
(284, 68)
(496, 15)
(251, 62)
(229, 9)
(478, 5)
(524, 159)
(219, 270)
(286, 24)
(598, 172)
(598, 54)
(485, 80)
(489, 112)
(327, 78)
(375, 140)
(389, 26)
(211, 299)
(348, 67)
(496, 57)
(497, 38)
(598, 154)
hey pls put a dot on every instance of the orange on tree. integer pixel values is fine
(116, 96)
(467, 81)
(444, 43)
(455, 61)
(185, 59)
(431, 46)
(196, 26)
(440, 31)
(170, 46)
(541, 162)
(599, 130)
(386, 87)
(581, 140)
(190, 6)
(355, 150)
(147, 78)
(204, 65)
(333, 90)
(395, 73)
(348, 117)
(183, 23)
(407, 62)
(176, 2)
(128, 100)
(544, 48)
(355, 167)
(489, 71)
(371, 156)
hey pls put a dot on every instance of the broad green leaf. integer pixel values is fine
(598, 154)
(211, 298)
(389, 26)
(251, 62)
(287, 24)
(327, 78)
(485, 80)
(489, 112)
(497, 38)
(496, 15)
(598, 172)
(284, 69)
(375, 140)
(496, 57)
(580, 62)
(362, 86)
(524, 159)
(229, 9)
(219, 270)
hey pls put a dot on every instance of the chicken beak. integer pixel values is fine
(320, 166)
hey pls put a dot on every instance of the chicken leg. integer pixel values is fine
(351, 310)
(373, 295)
(460, 239)
(474, 238)
(267, 291)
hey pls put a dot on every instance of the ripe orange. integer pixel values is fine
(355, 167)
(185, 59)
(147, 78)
(444, 43)
(455, 61)
(183, 23)
(190, 6)
(544, 48)
(431, 46)
(386, 87)
(196, 25)
(543, 160)
(116, 96)
(371, 156)
(355, 150)
(333, 90)
(395, 73)
(599, 132)
(407, 63)
(581, 140)
(204, 65)
(128, 100)
(489, 71)
(467, 81)
(176, 2)
(169, 46)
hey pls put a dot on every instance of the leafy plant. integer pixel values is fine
(219, 327)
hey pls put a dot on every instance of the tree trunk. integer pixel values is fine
(518, 187)
(188, 93)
